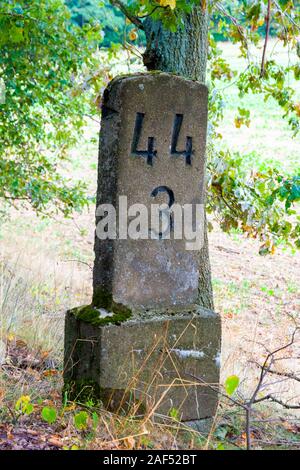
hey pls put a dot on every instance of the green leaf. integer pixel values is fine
(231, 384)
(49, 415)
(174, 413)
(95, 419)
(81, 420)
(29, 409)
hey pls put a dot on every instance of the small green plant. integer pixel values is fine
(24, 406)
(95, 419)
(268, 291)
(174, 413)
(49, 415)
(73, 447)
(292, 288)
(220, 446)
(81, 420)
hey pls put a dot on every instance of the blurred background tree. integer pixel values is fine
(111, 19)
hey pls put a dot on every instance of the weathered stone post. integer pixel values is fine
(144, 339)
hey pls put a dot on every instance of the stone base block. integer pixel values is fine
(149, 366)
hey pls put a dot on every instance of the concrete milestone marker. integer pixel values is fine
(144, 339)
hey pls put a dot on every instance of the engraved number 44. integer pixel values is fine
(150, 153)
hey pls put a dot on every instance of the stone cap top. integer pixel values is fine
(152, 75)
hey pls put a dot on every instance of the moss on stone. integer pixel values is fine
(91, 314)
(102, 299)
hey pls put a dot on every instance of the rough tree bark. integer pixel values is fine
(183, 52)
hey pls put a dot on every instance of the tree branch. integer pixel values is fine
(217, 391)
(268, 21)
(288, 375)
(266, 368)
(280, 402)
(151, 12)
(134, 19)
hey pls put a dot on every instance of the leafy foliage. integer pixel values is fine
(112, 20)
(42, 107)
(259, 202)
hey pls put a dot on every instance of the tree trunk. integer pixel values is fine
(184, 53)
